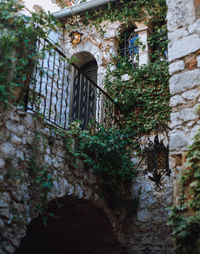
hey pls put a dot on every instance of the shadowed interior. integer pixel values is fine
(78, 227)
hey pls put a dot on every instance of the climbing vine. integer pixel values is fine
(18, 39)
(143, 100)
(184, 218)
(18, 56)
(107, 153)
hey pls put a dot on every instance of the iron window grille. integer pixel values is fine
(129, 46)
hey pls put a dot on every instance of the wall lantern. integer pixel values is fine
(157, 157)
(75, 37)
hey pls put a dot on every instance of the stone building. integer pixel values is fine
(184, 45)
(86, 221)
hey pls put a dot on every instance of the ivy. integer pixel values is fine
(184, 218)
(144, 99)
(107, 153)
(18, 54)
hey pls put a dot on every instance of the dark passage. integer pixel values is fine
(80, 228)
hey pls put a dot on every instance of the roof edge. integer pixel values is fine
(80, 8)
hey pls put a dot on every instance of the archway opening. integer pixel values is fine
(83, 105)
(78, 227)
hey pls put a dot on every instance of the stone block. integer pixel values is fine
(190, 62)
(176, 100)
(5, 212)
(175, 119)
(188, 114)
(1, 224)
(176, 66)
(183, 47)
(14, 117)
(28, 121)
(16, 140)
(190, 123)
(180, 13)
(8, 149)
(15, 241)
(191, 94)
(183, 81)
(194, 28)
(143, 215)
(178, 34)
(48, 159)
(178, 140)
(17, 129)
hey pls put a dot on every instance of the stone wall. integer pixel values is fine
(19, 194)
(145, 231)
(184, 68)
(103, 47)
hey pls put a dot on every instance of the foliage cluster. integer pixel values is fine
(128, 12)
(18, 54)
(185, 217)
(144, 99)
(107, 152)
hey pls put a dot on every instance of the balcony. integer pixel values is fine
(62, 92)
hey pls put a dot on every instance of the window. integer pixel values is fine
(129, 46)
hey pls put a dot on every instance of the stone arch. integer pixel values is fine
(77, 227)
(87, 63)
(83, 57)
(103, 48)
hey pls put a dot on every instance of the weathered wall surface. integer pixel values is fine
(184, 56)
(101, 47)
(146, 230)
(19, 194)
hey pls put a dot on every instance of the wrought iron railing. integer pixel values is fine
(61, 92)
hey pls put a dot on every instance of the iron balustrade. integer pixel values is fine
(62, 93)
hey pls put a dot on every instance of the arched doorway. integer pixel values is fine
(78, 227)
(84, 90)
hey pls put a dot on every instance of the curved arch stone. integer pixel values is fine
(20, 196)
(77, 227)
